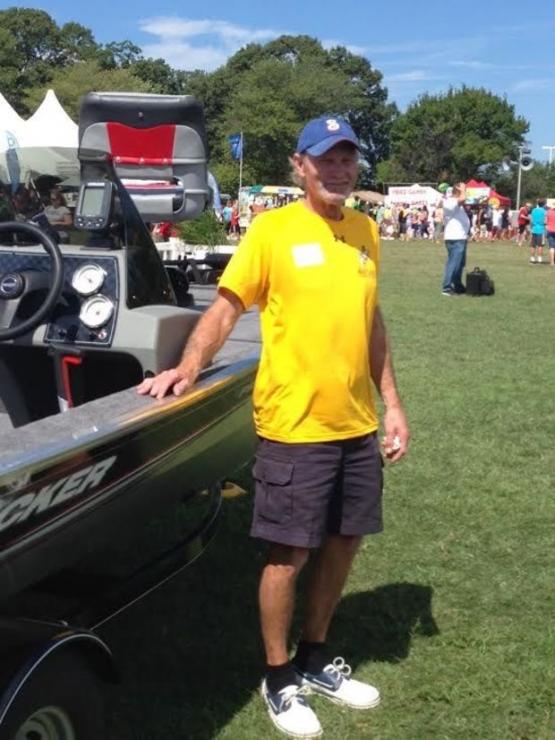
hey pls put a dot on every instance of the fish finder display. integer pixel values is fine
(92, 202)
(94, 205)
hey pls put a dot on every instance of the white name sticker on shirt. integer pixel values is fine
(306, 255)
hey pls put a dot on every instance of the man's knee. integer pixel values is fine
(348, 544)
(287, 559)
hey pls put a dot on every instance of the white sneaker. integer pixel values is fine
(335, 682)
(289, 711)
(532, 259)
(539, 260)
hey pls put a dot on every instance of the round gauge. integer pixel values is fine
(96, 311)
(88, 279)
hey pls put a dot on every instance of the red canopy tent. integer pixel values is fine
(477, 189)
(503, 201)
(479, 184)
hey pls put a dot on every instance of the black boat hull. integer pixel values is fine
(67, 500)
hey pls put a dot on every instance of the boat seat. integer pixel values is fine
(158, 148)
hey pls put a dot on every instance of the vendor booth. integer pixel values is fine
(478, 191)
(413, 195)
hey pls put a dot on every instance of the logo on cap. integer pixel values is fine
(332, 125)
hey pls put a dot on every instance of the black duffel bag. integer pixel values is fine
(478, 282)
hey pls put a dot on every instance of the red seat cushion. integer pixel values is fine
(141, 146)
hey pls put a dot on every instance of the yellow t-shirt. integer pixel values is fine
(315, 281)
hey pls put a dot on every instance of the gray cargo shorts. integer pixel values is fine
(304, 492)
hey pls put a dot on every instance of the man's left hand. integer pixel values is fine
(397, 435)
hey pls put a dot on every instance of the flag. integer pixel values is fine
(236, 145)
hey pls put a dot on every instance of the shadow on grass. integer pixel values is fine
(191, 655)
(379, 625)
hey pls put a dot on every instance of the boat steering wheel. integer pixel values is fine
(14, 286)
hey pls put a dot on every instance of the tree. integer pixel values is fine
(33, 43)
(118, 54)
(455, 135)
(76, 43)
(276, 111)
(72, 83)
(373, 118)
(9, 72)
(159, 75)
(33, 49)
(269, 92)
(539, 182)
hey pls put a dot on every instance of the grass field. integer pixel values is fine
(451, 610)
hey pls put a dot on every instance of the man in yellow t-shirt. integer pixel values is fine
(312, 269)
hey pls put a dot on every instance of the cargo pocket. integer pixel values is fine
(274, 491)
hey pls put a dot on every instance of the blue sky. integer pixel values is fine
(419, 47)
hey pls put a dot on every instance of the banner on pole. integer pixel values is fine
(236, 145)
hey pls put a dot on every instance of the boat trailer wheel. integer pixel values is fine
(62, 700)
(10, 304)
(47, 723)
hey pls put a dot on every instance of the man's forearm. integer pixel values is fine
(381, 363)
(208, 336)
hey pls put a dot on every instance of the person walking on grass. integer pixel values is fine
(438, 223)
(457, 226)
(312, 268)
(537, 229)
(523, 223)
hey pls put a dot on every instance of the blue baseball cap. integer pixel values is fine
(321, 134)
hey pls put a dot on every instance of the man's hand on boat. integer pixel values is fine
(173, 380)
(210, 333)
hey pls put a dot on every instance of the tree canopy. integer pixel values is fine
(268, 91)
(536, 183)
(453, 136)
(73, 82)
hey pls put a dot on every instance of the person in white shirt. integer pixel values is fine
(456, 228)
(57, 212)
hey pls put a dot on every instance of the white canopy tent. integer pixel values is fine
(45, 143)
(11, 125)
(50, 126)
(9, 119)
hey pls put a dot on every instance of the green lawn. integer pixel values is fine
(451, 610)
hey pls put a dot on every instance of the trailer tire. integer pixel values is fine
(62, 700)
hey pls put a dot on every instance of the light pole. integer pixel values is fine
(550, 150)
(525, 163)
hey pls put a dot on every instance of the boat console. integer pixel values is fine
(87, 307)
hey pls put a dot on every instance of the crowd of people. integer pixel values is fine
(487, 223)
(538, 224)
(423, 221)
(230, 217)
(532, 225)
